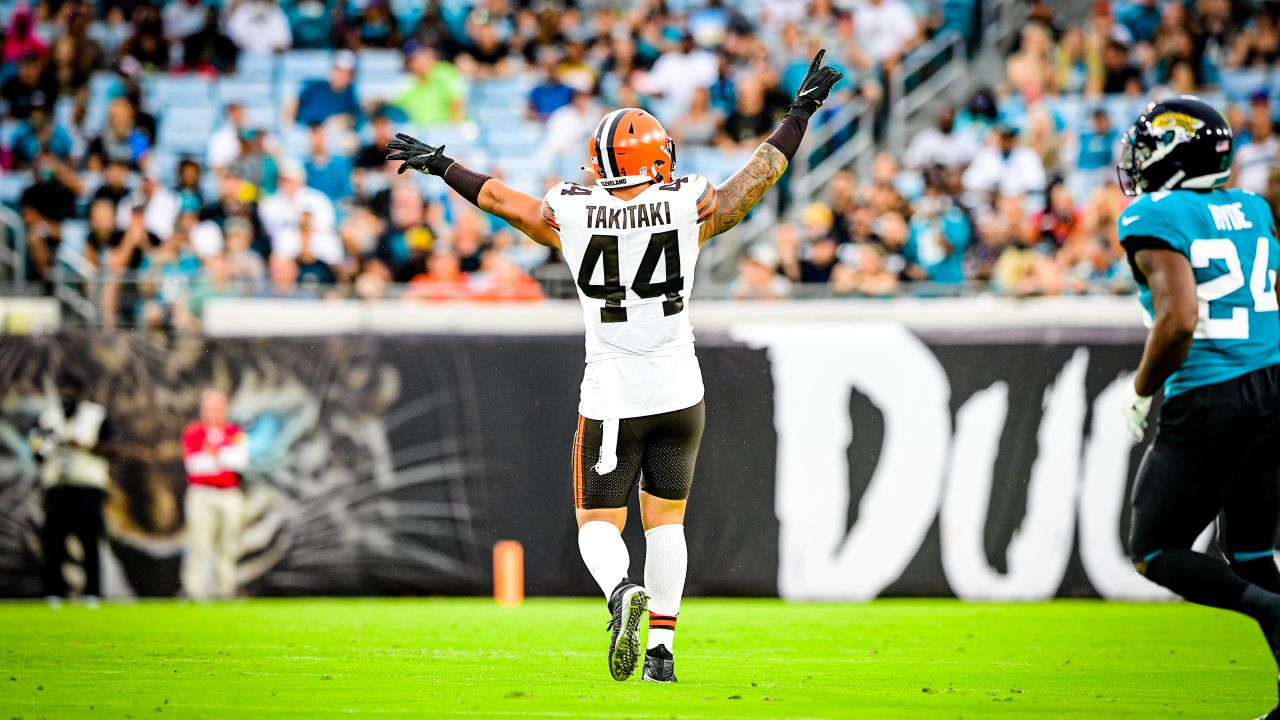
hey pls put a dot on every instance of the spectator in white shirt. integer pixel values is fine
(940, 145)
(886, 30)
(568, 129)
(1255, 158)
(1006, 168)
(281, 216)
(677, 74)
(224, 144)
(259, 27)
(159, 203)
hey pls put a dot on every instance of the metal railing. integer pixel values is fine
(1001, 20)
(946, 56)
(849, 134)
(72, 273)
(13, 249)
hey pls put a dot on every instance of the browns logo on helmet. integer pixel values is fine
(629, 147)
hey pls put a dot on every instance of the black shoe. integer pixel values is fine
(627, 604)
(659, 665)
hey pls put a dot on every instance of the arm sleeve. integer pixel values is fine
(705, 204)
(1143, 227)
(549, 214)
(1141, 221)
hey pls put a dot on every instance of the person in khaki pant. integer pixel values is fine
(215, 452)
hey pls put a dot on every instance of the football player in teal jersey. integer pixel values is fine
(1205, 258)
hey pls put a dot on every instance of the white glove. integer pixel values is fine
(1136, 408)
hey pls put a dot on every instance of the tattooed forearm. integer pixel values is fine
(740, 193)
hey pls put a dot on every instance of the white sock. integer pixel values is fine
(604, 553)
(665, 563)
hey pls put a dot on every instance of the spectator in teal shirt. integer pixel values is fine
(329, 174)
(1098, 144)
(940, 234)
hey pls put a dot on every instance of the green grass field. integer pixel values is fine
(735, 658)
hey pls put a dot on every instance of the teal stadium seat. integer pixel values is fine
(162, 91)
(245, 90)
(11, 186)
(381, 88)
(258, 68)
(297, 66)
(1238, 85)
(374, 64)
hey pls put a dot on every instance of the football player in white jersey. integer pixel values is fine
(631, 240)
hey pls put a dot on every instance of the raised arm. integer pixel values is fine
(524, 212)
(740, 193)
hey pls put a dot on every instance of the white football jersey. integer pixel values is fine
(633, 262)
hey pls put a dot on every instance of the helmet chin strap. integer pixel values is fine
(1206, 182)
(1173, 180)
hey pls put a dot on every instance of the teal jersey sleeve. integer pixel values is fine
(1150, 221)
(1262, 209)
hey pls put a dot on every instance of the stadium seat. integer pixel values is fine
(185, 131)
(195, 120)
(287, 91)
(1071, 110)
(245, 91)
(1240, 84)
(11, 186)
(460, 139)
(259, 68)
(378, 63)
(296, 141)
(75, 235)
(175, 137)
(8, 128)
(166, 162)
(162, 91)
(103, 85)
(517, 139)
(299, 65)
(210, 185)
(491, 117)
(408, 14)
(504, 93)
(382, 88)
(1123, 110)
(264, 117)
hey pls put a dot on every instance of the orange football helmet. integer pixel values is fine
(630, 147)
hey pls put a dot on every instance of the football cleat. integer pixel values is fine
(659, 665)
(627, 605)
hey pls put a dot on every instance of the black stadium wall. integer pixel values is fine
(841, 461)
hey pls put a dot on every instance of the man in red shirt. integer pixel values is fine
(215, 452)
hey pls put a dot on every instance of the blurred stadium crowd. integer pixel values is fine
(199, 149)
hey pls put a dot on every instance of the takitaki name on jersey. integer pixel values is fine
(1229, 237)
(600, 217)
